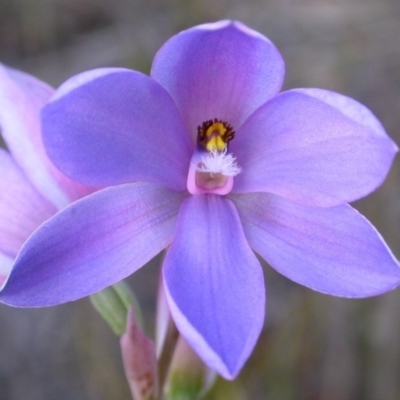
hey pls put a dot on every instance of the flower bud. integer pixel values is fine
(189, 378)
(139, 358)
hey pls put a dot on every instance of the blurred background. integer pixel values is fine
(313, 347)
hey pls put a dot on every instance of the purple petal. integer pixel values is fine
(221, 70)
(117, 127)
(303, 149)
(139, 357)
(214, 284)
(22, 208)
(332, 250)
(347, 106)
(21, 98)
(95, 242)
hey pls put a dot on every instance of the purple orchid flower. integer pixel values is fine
(31, 188)
(206, 158)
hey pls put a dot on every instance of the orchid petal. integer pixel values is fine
(93, 243)
(332, 250)
(347, 106)
(21, 98)
(22, 208)
(304, 149)
(215, 290)
(118, 127)
(222, 70)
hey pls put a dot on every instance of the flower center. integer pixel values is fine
(214, 135)
(212, 167)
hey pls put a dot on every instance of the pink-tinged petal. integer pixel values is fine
(139, 357)
(22, 207)
(21, 98)
(214, 284)
(120, 126)
(6, 264)
(221, 70)
(332, 250)
(302, 148)
(91, 244)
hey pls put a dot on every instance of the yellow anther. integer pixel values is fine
(216, 129)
